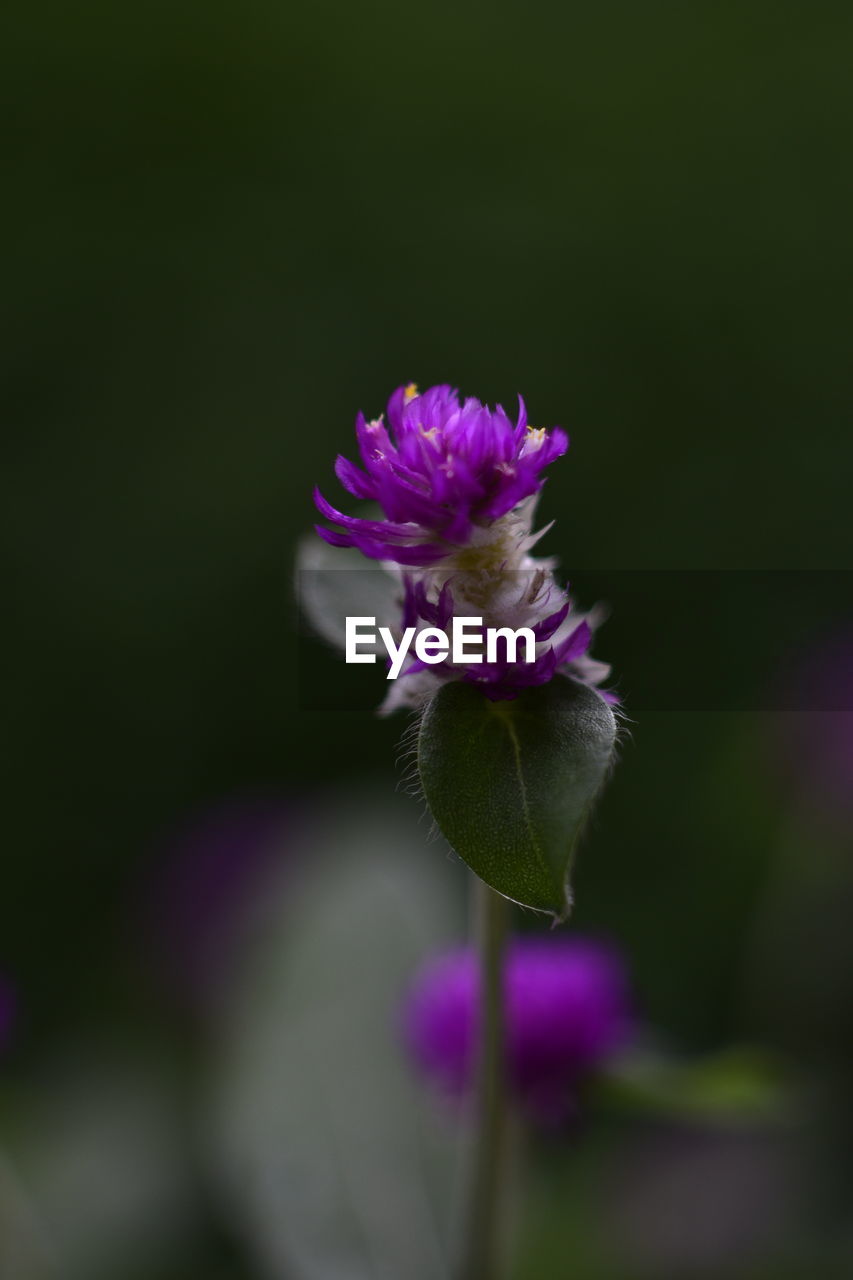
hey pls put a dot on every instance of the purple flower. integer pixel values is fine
(440, 470)
(525, 598)
(202, 887)
(8, 1010)
(456, 484)
(567, 1010)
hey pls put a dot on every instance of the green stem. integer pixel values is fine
(481, 1241)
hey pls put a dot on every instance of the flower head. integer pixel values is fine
(456, 484)
(567, 1010)
(441, 469)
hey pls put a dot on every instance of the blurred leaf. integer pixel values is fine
(326, 1147)
(740, 1083)
(510, 784)
(334, 583)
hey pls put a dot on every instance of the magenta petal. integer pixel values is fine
(353, 479)
(546, 628)
(333, 537)
(575, 644)
(379, 528)
(418, 554)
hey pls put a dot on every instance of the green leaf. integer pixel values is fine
(511, 783)
(740, 1083)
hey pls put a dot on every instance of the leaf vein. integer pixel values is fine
(516, 747)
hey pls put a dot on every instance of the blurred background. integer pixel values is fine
(226, 230)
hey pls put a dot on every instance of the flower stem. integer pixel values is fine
(481, 1242)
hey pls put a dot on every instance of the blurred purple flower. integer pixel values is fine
(208, 879)
(567, 1009)
(8, 1009)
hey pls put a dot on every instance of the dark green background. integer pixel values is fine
(226, 230)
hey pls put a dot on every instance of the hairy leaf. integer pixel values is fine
(511, 783)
